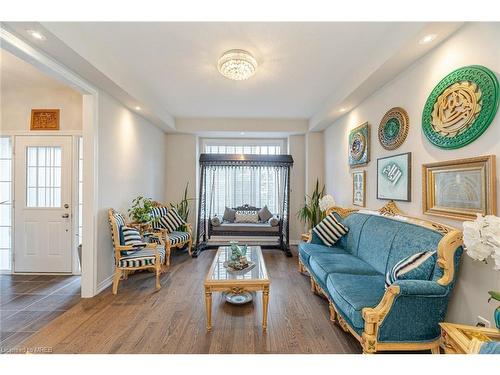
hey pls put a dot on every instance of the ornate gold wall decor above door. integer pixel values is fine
(393, 128)
(44, 119)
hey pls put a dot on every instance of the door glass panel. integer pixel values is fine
(43, 173)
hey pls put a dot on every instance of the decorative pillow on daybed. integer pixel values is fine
(131, 237)
(329, 230)
(419, 266)
(247, 217)
(171, 221)
(215, 221)
(229, 215)
(274, 221)
(265, 214)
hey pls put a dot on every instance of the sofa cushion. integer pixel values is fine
(355, 223)
(322, 264)
(229, 215)
(306, 249)
(352, 293)
(330, 230)
(417, 266)
(412, 239)
(376, 240)
(265, 214)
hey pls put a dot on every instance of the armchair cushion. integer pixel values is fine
(419, 266)
(178, 237)
(171, 221)
(130, 237)
(156, 214)
(141, 258)
(330, 230)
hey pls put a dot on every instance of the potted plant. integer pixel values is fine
(182, 207)
(481, 242)
(140, 213)
(311, 213)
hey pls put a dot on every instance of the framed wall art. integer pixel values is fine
(393, 128)
(359, 146)
(359, 188)
(44, 119)
(460, 189)
(394, 177)
(461, 107)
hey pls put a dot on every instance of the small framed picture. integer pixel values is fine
(394, 177)
(44, 119)
(359, 146)
(460, 189)
(359, 188)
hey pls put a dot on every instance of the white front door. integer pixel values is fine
(42, 202)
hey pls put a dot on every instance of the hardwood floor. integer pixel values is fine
(29, 302)
(172, 320)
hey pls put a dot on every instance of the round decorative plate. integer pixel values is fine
(393, 128)
(238, 298)
(461, 107)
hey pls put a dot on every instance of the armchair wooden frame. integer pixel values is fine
(374, 317)
(123, 272)
(168, 244)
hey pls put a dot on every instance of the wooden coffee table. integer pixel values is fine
(220, 280)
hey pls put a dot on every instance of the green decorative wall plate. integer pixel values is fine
(393, 128)
(461, 107)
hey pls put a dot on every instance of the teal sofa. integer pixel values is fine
(351, 275)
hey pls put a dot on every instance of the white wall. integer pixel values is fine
(131, 163)
(17, 103)
(297, 148)
(473, 44)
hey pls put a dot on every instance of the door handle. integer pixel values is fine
(65, 216)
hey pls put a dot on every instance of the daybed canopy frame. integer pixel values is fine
(283, 162)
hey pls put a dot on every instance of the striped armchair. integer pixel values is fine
(176, 239)
(130, 258)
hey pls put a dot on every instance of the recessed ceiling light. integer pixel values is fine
(137, 108)
(242, 133)
(36, 34)
(427, 39)
(237, 64)
(342, 109)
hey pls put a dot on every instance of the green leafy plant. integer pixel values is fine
(182, 207)
(140, 212)
(310, 213)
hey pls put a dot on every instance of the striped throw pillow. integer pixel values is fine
(419, 266)
(329, 230)
(171, 221)
(156, 214)
(131, 237)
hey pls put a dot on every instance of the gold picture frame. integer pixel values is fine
(359, 188)
(460, 189)
(44, 119)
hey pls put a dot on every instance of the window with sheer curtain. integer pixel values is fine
(236, 186)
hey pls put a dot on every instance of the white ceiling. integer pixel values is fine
(300, 63)
(307, 70)
(17, 74)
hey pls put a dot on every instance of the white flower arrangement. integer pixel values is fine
(482, 238)
(326, 202)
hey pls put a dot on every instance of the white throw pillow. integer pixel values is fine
(247, 217)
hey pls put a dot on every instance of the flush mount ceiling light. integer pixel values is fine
(237, 64)
(36, 34)
(427, 39)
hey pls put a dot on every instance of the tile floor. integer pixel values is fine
(29, 302)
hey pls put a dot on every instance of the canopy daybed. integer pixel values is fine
(210, 165)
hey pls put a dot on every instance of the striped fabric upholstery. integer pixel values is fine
(131, 237)
(178, 237)
(141, 258)
(419, 266)
(156, 214)
(329, 230)
(171, 221)
(120, 220)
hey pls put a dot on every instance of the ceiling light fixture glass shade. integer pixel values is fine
(237, 64)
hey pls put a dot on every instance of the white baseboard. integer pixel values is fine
(104, 284)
